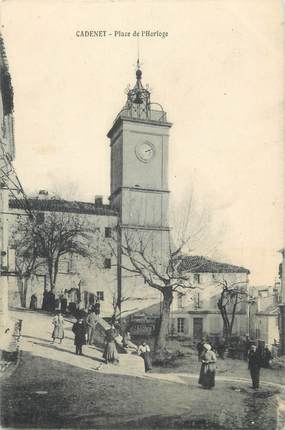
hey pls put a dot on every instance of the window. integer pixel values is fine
(108, 232)
(91, 299)
(107, 263)
(197, 301)
(100, 295)
(197, 278)
(180, 325)
(180, 300)
(64, 266)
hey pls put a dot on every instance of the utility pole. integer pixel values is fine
(119, 271)
(9, 181)
(282, 304)
(4, 232)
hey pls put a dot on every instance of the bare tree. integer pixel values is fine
(160, 273)
(27, 260)
(162, 269)
(55, 236)
(230, 297)
(192, 224)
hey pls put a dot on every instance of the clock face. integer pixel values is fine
(145, 151)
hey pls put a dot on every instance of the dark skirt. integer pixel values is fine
(110, 353)
(207, 375)
(147, 361)
(79, 340)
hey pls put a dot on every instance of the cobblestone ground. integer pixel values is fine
(52, 392)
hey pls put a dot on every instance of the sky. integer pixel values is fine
(219, 74)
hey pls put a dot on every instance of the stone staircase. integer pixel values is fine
(130, 362)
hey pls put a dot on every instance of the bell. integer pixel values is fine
(138, 100)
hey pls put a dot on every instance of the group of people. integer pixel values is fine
(82, 328)
(111, 355)
(257, 357)
(51, 302)
(84, 333)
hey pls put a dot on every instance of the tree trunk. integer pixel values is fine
(225, 318)
(50, 273)
(233, 315)
(55, 270)
(160, 343)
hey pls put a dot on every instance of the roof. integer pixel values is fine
(199, 264)
(269, 310)
(60, 205)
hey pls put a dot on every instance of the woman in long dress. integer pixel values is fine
(208, 367)
(126, 339)
(34, 302)
(110, 354)
(91, 322)
(144, 352)
(58, 331)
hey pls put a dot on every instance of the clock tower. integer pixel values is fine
(139, 169)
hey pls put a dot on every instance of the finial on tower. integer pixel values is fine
(138, 71)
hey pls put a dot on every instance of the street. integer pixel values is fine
(54, 388)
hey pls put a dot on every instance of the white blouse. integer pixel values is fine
(143, 348)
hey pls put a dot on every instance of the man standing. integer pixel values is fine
(80, 332)
(91, 322)
(254, 364)
(97, 307)
(63, 302)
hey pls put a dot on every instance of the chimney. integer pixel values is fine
(98, 201)
(43, 195)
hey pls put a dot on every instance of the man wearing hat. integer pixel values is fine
(254, 364)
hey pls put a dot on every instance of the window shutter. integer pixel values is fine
(186, 326)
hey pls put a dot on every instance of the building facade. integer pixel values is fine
(96, 278)
(7, 149)
(137, 208)
(195, 312)
(264, 314)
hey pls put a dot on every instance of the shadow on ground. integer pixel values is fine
(46, 393)
(57, 347)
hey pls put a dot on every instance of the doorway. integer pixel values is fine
(197, 328)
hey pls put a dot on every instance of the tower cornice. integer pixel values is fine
(120, 119)
(137, 189)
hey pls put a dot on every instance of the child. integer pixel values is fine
(144, 352)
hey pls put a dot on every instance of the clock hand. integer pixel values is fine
(148, 150)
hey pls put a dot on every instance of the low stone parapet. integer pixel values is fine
(99, 338)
